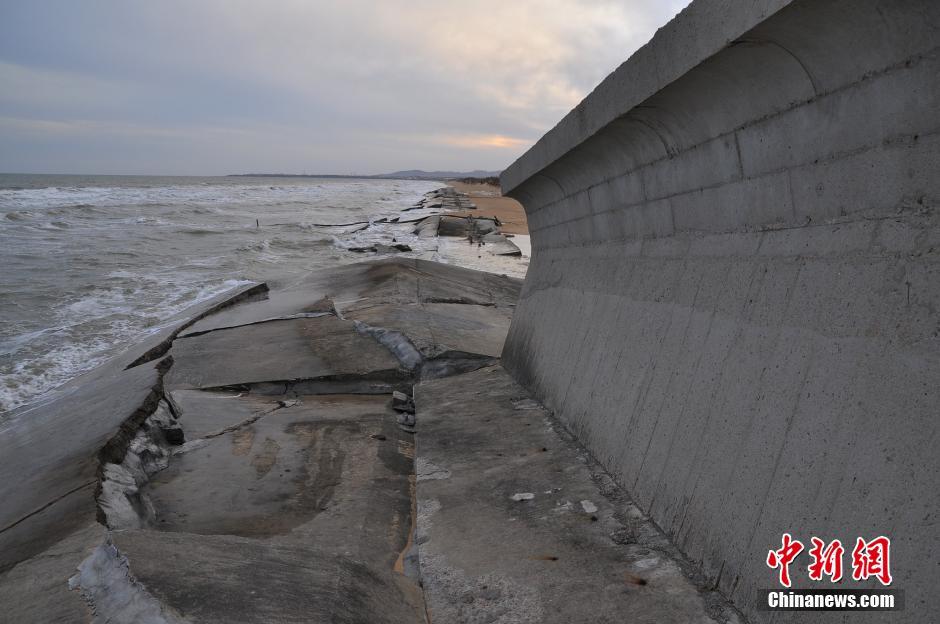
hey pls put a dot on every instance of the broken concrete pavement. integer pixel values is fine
(259, 464)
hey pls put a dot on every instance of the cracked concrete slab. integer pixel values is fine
(155, 345)
(48, 472)
(227, 579)
(516, 523)
(287, 500)
(392, 281)
(439, 328)
(37, 589)
(204, 412)
(306, 348)
(301, 515)
(282, 470)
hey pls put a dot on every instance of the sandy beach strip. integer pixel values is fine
(491, 203)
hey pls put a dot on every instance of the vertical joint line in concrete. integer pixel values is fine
(659, 136)
(809, 76)
(737, 148)
(790, 193)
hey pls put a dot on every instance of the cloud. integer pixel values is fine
(298, 85)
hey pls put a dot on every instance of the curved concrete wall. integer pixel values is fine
(734, 291)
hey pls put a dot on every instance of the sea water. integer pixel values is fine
(91, 264)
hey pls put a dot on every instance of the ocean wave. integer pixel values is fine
(73, 209)
(278, 243)
(201, 196)
(96, 268)
(30, 378)
(93, 329)
(197, 231)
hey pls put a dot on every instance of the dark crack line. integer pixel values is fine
(161, 349)
(239, 425)
(49, 504)
(291, 317)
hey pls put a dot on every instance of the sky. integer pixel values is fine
(211, 87)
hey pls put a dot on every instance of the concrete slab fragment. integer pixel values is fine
(499, 245)
(303, 515)
(49, 451)
(227, 579)
(436, 329)
(202, 413)
(394, 280)
(278, 472)
(37, 589)
(308, 348)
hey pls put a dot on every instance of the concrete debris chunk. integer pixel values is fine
(174, 435)
(401, 402)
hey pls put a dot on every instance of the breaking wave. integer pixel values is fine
(93, 264)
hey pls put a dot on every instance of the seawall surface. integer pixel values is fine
(734, 289)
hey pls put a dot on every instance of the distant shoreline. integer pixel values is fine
(411, 174)
(329, 175)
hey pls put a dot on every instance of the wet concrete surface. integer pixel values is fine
(283, 470)
(298, 516)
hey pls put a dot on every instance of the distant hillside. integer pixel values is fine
(439, 175)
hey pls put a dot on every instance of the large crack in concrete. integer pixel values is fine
(147, 441)
(49, 504)
(273, 319)
(252, 293)
(368, 383)
(448, 363)
(121, 502)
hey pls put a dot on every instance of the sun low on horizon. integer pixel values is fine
(211, 87)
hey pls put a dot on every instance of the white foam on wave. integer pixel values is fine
(131, 259)
(74, 352)
(202, 197)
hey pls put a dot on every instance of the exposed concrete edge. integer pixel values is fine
(221, 302)
(113, 594)
(115, 449)
(700, 31)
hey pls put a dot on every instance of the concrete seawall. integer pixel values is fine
(734, 290)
